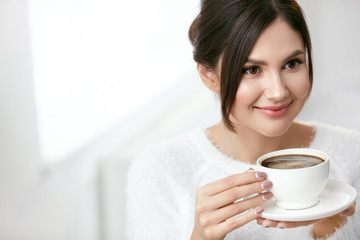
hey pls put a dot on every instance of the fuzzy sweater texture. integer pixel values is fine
(164, 178)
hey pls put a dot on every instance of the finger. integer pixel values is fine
(281, 224)
(231, 195)
(240, 220)
(260, 220)
(268, 223)
(237, 208)
(295, 224)
(344, 213)
(349, 212)
(232, 181)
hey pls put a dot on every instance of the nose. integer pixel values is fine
(276, 89)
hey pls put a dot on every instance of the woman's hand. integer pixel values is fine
(217, 204)
(322, 227)
(329, 225)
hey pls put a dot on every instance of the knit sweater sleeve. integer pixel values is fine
(152, 208)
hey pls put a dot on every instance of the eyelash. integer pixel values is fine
(297, 61)
(246, 70)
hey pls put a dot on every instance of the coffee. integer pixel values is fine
(291, 161)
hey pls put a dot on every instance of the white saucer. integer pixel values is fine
(335, 198)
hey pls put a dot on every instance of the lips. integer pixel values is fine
(274, 111)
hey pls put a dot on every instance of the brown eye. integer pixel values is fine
(292, 64)
(252, 70)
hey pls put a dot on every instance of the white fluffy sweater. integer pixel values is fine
(164, 178)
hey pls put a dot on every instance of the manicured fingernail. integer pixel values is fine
(344, 213)
(260, 175)
(267, 196)
(266, 184)
(258, 210)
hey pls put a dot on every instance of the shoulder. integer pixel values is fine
(169, 159)
(168, 151)
(333, 136)
(342, 145)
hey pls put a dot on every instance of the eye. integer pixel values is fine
(293, 64)
(252, 70)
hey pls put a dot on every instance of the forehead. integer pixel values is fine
(278, 40)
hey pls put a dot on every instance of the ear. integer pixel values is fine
(209, 77)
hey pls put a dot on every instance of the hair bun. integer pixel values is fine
(193, 30)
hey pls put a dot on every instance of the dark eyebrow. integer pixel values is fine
(259, 62)
(256, 62)
(294, 54)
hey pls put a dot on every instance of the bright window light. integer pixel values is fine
(95, 62)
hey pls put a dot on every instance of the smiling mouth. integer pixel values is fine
(274, 111)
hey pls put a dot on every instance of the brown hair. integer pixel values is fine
(229, 28)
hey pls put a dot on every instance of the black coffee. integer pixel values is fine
(291, 161)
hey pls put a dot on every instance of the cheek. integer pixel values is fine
(300, 86)
(247, 93)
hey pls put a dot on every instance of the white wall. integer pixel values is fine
(19, 143)
(37, 202)
(52, 200)
(336, 94)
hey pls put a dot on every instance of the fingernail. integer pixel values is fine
(267, 196)
(266, 184)
(260, 175)
(344, 213)
(258, 210)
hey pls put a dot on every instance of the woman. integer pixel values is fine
(256, 54)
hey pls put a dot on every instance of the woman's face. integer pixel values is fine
(275, 82)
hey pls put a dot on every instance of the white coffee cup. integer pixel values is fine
(297, 188)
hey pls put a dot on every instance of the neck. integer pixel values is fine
(247, 145)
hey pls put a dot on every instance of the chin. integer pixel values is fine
(276, 129)
(274, 133)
